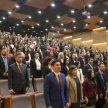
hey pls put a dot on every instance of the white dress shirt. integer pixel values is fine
(38, 64)
(80, 75)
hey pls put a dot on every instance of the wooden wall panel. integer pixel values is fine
(88, 44)
(76, 35)
(99, 39)
(68, 39)
(77, 42)
(100, 46)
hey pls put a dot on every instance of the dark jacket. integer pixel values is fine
(16, 80)
(64, 70)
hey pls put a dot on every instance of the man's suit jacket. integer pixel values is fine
(2, 66)
(16, 80)
(82, 63)
(56, 55)
(46, 71)
(45, 53)
(54, 95)
(33, 68)
(100, 83)
(86, 67)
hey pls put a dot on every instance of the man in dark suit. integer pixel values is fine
(88, 66)
(55, 88)
(4, 63)
(45, 53)
(82, 61)
(87, 56)
(48, 68)
(101, 86)
(56, 53)
(18, 80)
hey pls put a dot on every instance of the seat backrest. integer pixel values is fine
(31, 86)
(28, 69)
(39, 100)
(39, 84)
(21, 101)
(4, 91)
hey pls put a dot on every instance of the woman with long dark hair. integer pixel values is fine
(90, 89)
(65, 67)
(74, 87)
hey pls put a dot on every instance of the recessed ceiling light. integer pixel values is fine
(34, 31)
(53, 4)
(17, 6)
(57, 31)
(38, 24)
(52, 27)
(74, 21)
(88, 16)
(28, 29)
(9, 12)
(39, 12)
(29, 17)
(23, 31)
(46, 29)
(105, 12)
(53, 34)
(64, 29)
(86, 25)
(74, 27)
(41, 31)
(17, 24)
(101, 21)
(22, 21)
(10, 29)
(32, 26)
(89, 5)
(13, 26)
(3, 18)
(61, 24)
(72, 11)
(58, 17)
(47, 21)
(0, 21)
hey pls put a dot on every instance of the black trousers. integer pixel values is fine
(19, 92)
(101, 102)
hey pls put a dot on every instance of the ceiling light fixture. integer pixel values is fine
(101, 21)
(39, 12)
(72, 11)
(17, 24)
(52, 27)
(62, 24)
(0, 21)
(53, 34)
(33, 31)
(74, 21)
(36, 33)
(105, 12)
(38, 24)
(32, 26)
(58, 17)
(53, 4)
(23, 31)
(3, 18)
(57, 31)
(46, 29)
(9, 12)
(88, 16)
(17, 6)
(86, 25)
(74, 27)
(90, 5)
(47, 21)
(64, 29)
(22, 21)
(28, 29)
(29, 17)
(41, 31)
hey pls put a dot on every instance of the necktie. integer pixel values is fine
(5, 63)
(33, 46)
(20, 69)
(59, 79)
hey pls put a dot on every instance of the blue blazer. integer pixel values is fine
(54, 96)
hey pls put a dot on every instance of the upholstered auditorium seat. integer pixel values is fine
(38, 84)
(20, 101)
(31, 90)
(29, 74)
(39, 100)
(4, 88)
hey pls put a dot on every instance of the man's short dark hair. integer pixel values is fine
(49, 59)
(35, 52)
(1, 47)
(17, 49)
(101, 64)
(17, 54)
(53, 63)
(90, 58)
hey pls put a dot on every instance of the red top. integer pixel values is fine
(89, 89)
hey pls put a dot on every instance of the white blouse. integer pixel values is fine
(38, 64)
(80, 75)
